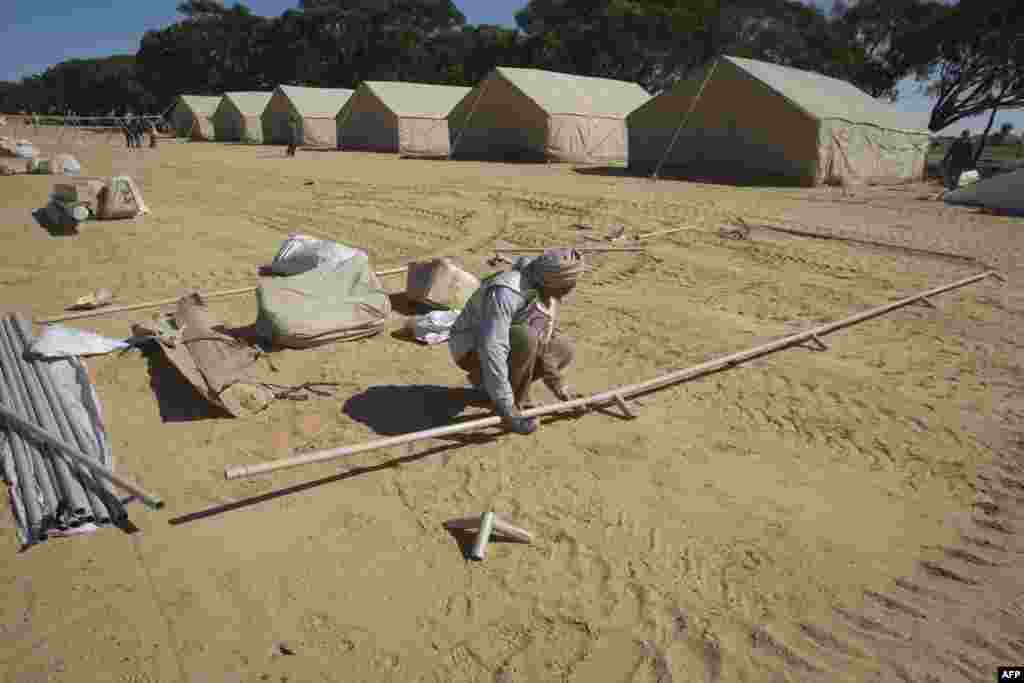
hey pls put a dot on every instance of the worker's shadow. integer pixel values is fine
(391, 410)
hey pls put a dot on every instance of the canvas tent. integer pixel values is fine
(529, 114)
(192, 116)
(238, 117)
(408, 118)
(1003, 193)
(316, 109)
(756, 120)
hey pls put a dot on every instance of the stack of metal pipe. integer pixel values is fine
(50, 492)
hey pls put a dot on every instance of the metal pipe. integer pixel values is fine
(75, 501)
(103, 499)
(603, 398)
(18, 394)
(59, 425)
(23, 467)
(86, 445)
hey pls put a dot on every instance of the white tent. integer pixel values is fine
(192, 116)
(391, 116)
(316, 109)
(747, 119)
(529, 114)
(238, 116)
(1004, 193)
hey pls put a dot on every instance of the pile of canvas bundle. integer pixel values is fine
(77, 199)
(331, 294)
(221, 368)
(83, 198)
(440, 283)
(62, 164)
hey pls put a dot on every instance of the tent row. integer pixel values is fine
(735, 118)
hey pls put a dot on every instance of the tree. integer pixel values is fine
(882, 42)
(979, 62)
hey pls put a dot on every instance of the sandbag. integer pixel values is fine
(65, 164)
(322, 305)
(38, 166)
(439, 283)
(8, 169)
(79, 190)
(120, 198)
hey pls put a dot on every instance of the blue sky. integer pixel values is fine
(35, 34)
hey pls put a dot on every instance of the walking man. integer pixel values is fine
(293, 134)
(504, 339)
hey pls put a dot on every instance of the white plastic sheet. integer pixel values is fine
(58, 341)
(24, 150)
(434, 327)
(301, 253)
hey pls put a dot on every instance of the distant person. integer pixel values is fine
(126, 128)
(958, 159)
(293, 134)
(152, 135)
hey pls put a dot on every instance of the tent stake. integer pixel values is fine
(167, 302)
(601, 399)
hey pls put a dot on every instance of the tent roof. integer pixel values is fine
(249, 103)
(559, 93)
(422, 100)
(316, 102)
(204, 105)
(823, 97)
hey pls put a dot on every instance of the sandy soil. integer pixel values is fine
(849, 515)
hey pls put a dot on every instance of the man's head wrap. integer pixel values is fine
(556, 268)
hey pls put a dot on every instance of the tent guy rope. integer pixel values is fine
(612, 396)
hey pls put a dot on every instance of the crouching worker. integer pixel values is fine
(505, 339)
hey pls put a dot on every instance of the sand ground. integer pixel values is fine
(848, 515)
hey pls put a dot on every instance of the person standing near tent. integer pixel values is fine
(505, 340)
(293, 134)
(126, 127)
(958, 159)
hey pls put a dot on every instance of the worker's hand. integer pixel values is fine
(520, 425)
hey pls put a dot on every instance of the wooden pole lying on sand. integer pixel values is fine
(167, 302)
(607, 397)
(541, 250)
(649, 235)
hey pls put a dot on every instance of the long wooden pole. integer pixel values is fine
(15, 421)
(109, 310)
(540, 250)
(606, 397)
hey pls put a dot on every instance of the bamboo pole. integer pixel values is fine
(581, 249)
(603, 398)
(649, 235)
(109, 310)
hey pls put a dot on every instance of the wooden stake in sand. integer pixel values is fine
(606, 397)
(167, 302)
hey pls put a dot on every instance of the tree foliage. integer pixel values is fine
(978, 61)
(215, 48)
